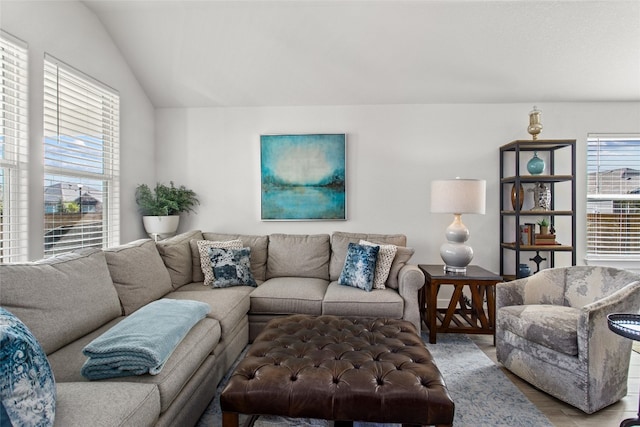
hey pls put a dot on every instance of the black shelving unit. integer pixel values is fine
(555, 175)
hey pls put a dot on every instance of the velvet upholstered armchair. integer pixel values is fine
(552, 331)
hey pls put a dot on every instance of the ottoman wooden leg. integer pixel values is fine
(229, 419)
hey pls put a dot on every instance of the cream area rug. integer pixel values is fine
(483, 395)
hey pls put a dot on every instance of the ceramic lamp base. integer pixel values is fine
(455, 254)
(456, 257)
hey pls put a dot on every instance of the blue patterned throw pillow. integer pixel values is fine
(359, 267)
(27, 386)
(231, 267)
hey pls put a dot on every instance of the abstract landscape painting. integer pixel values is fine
(303, 177)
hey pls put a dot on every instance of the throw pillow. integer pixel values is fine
(205, 261)
(27, 386)
(383, 263)
(231, 267)
(403, 255)
(359, 266)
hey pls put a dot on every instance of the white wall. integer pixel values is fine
(393, 153)
(71, 33)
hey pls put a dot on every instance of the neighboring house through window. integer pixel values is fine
(81, 160)
(613, 199)
(13, 150)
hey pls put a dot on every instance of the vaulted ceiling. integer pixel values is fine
(211, 53)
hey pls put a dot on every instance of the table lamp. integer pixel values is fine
(457, 196)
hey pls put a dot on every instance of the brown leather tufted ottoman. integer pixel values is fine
(343, 369)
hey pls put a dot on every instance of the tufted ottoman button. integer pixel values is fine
(343, 369)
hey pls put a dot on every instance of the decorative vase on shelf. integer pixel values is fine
(535, 125)
(519, 194)
(524, 270)
(535, 166)
(541, 197)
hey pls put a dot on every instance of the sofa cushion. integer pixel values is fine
(231, 267)
(176, 255)
(360, 266)
(298, 255)
(27, 386)
(138, 273)
(114, 404)
(205, 258)
(347, 301)
(178, 369)
(553, 326)
(289, 295)
(258, 245)
(340, 244)
(229, 306)
(62, 298)
(386, 255)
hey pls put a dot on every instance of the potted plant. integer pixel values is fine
(544, 226)
(160, 207)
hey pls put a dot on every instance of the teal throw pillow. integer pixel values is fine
(359, 266)
(27, 386)
(231, 267)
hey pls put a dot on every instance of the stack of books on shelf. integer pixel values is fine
(527, 234)
(544, 239)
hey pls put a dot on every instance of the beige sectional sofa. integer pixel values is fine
(69, 300)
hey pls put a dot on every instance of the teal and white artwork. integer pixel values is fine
(303, 177)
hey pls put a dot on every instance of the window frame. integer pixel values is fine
(600, 233)
(81, 144)
(14, 132)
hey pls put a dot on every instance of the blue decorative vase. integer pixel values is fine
(524, 270)
(535, 166)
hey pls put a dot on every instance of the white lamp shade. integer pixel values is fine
(458, 196)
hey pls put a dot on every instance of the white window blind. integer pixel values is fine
(613, 197)
(81, 159)
(13, 150)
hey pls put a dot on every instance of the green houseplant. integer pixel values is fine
(162, 205)
(544, 226)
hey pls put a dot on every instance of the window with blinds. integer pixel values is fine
(613, 197)
(81, 160)
(13, 150)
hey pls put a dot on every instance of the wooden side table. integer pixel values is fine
(463, 315)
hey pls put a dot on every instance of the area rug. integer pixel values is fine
(483, 395)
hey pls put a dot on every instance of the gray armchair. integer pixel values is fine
(552, 331)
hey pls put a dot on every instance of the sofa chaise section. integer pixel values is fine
(68, 300)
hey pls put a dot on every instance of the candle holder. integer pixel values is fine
(535, 126)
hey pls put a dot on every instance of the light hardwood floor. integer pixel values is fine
(563, 415)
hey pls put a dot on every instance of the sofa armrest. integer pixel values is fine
(510, 293)
(605, 353)
(410, 280)
(593, 326)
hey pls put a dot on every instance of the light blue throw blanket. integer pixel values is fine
(143, 341)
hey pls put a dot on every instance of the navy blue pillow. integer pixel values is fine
(27, 386)
(231, 267)
(359, 267)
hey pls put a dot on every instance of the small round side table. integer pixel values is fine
(628, 326)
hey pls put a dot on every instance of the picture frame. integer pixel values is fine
(303, 177)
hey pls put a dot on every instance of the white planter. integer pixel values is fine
(161, 227)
